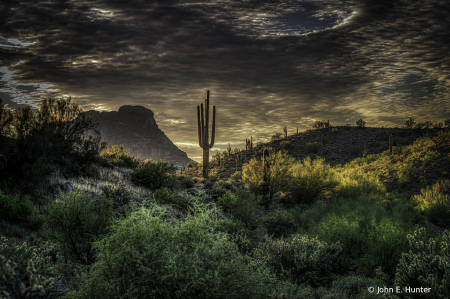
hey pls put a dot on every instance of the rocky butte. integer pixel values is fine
(136, 129)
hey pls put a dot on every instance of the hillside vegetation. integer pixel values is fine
(326, 213)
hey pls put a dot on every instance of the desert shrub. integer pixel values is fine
(308, 180)
(285, 144)
(19, 208)
(371, 236)
(193, 164)
(237, 176)
(434, 203)
(75, 223)
(119, 194)
(239, 234)
(25, 271)
(313, 148)
(119, 156)
(270, 178)
(227, 201)
(403, 172)
(47, 137)
(185, 182)
(321, 124)
(422, 267)
(77, 169)
(302, 260)
(154, 175)
(208, 185)
(279, 224)
(334, 131)
(246, 207)
(354, 150)
(360, 123)
(275, 137)
(143, 256)
(165, 196)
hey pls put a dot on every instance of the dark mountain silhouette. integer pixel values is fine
(136, 129)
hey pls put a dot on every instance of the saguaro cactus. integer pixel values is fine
(203, 132)
(285, 132)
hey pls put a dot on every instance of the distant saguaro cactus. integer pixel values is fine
(203, 132)
(229, 149)
(285, 132)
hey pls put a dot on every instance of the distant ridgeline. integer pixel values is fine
(136, 129)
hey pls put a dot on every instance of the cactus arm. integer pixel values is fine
(206, 120)
(203, 126)
(213, 127)
(199, 127)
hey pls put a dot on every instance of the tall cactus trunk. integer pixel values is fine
(203, 136)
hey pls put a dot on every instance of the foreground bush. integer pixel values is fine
(309, 180)
(145, 257)
(76, 222)
(47, 137)
(423, 268)
(434, 203)
(19, 208)
(155, 175)
(25, 271)
(268, 177)
(371, 235)
(242, 206)
(302, 260)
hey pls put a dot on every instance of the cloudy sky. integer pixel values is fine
(267, 63)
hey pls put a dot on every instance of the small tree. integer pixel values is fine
(360, 123)
(268, 176)
(410, 123)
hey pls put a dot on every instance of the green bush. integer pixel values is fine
(25, 271)
(237, 176)
(309, 180)
(74, 224)
(185, 182)
(239, 234)
(246, 208)
(227, 201)
(269, 178)
(165, 196)
(434, 204)
(423, 267)
(334, 131)
(303, 260)
(119, 194)
(19, 208)
(313, 148)
(279, 224)
(145, 257)
(119, 156)
(193, 164)
(154, 175)
(285, 144)
(371, 236)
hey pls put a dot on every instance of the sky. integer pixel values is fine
(267, 63)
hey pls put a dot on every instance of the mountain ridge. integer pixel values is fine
(135, 128)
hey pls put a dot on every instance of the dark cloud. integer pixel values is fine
(267, 64)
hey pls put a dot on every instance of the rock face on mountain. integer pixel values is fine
(136, 129)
